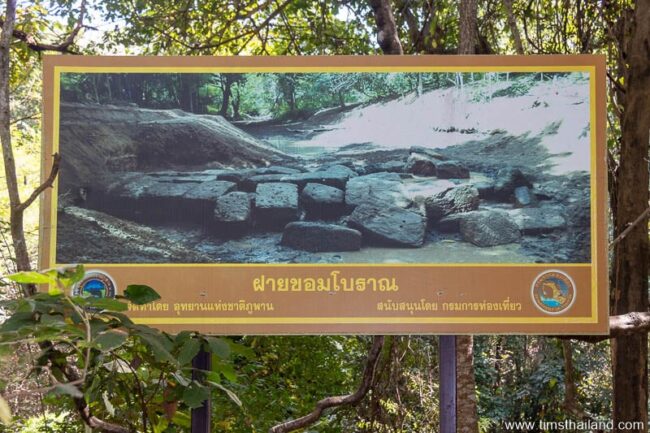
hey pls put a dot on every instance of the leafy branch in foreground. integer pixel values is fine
(120, 376)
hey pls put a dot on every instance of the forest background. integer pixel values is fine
(62, 368)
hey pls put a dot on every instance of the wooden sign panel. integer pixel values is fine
(285, 195)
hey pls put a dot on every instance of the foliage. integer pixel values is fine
(89, 349)
(516, 376)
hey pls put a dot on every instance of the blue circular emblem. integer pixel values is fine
(97, 284)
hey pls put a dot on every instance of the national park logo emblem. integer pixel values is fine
(553, 292)
(97, 284)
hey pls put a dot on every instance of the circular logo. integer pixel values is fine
(553, 292)
(97, 284)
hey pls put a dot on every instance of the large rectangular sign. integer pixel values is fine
(286, 195)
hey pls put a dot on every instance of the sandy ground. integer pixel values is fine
(425, 121)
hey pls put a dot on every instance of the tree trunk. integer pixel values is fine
(468, 27)
(16, 215)
(630, 292)
(226, 87)
(514, 30)
(466, 412)
(387, 36)
(571, 405)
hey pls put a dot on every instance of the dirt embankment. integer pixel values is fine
(98, 140)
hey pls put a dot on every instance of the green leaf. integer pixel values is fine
(110, 340)
(219, 347)
(195, 394)
(231, 395)
(226, 370)
(106, 304)
(31, 278)
(67, 389)
(157, 344)
(140, 294)
(188, 351)
(5, 412)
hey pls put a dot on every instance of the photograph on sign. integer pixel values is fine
(401, 196)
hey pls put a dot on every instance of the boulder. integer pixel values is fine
(421, 165)
(523, 197)
(485, 189)
(250, 184)
(463, 198)
(162, 197)
(489, 228)
(389, 225)
(507, 180)
(388, 166)
(450, 223)
(428, 152)
(210, 190)
(533, 221)
(336, 176)
(276, 204)
(451, 170)
(320, 237)
(276, 169)
(236, 176)
(233, 213)
(376, 188)
(322, 201)
(425, 187)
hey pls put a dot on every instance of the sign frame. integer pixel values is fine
(582, 318)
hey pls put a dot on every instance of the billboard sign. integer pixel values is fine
(285, 195)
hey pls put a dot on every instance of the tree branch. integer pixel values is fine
(56, 162)
(63, 47)
(329, 402)
(629, 228)
(619, 326)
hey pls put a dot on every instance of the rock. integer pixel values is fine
(421, 165)
(507, 180)
(375, 188)
(389, 167)
(233, 213)
(389, 225)
(336, 176)
(522, 196)
(236, 176)
(340, 169)
(320, 237)
(451, 170)
(533, 221)
(164, 198)
(428, 152)
(425, 187)
(579, 212)
(276, 204)
(250, 184)
(450, 223)
(210, 190)
(489, 228)
(322, 201)
(485, 189)
(275, 169)
(463, 198)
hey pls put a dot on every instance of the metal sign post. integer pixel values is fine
(447, 365)
(201, 415)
